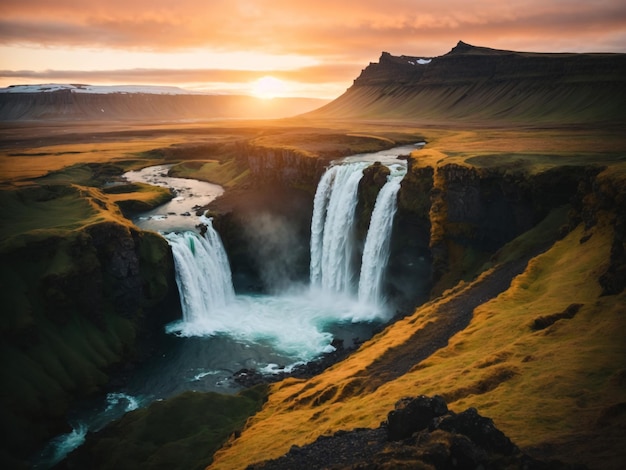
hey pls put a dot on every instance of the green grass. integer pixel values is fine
(36, 212)
(228, 173)
(31, 209)
(138, 197)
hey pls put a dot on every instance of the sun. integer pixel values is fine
(269, 87)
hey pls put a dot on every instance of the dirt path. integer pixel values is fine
(450, 318)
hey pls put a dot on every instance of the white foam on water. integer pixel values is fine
(201, 375)
(125, 402)
(294, 324)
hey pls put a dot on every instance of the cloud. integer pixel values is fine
(320, 27)
(279, 37)
(316, 74)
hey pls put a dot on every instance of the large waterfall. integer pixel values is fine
(294, 323)
(332, 233)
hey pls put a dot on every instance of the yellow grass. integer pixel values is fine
(531, 150)
(32, 163)
(540, 387)
(227, 174)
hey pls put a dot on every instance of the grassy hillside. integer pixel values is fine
(555, 390)
(475, 84)
(535, 341)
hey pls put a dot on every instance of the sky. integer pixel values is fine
(308, 48)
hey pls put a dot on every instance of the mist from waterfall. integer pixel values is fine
(296, 322)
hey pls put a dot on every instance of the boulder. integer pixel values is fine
(411, 415)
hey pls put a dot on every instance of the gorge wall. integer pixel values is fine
(85, 298)
(452, 218)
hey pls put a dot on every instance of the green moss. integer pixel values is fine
(138, 197)
(179, 433)
(227, 173)
(155, 264)
(69, 311)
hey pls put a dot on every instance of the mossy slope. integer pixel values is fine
(78, 281)
(179, 433)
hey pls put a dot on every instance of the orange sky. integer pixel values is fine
(315, 47)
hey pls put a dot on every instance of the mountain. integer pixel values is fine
(481, 84)
(64, 102)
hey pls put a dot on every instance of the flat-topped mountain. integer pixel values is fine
(73, 102)
(481, 84)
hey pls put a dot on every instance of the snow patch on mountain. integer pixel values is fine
(419, 61)
(98, 89)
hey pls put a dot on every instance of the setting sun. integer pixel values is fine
(269, 87)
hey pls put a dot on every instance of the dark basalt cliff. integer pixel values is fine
(481, 84)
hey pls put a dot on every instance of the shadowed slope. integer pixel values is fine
(448, 318)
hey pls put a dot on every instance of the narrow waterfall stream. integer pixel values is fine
(221, 331)
(377, 243)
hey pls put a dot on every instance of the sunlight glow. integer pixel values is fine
(269, 87)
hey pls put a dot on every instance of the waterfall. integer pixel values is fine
(332, 232)
(332, 228)
(377, 242)
(203, 274)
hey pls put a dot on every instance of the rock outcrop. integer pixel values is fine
(419, 433)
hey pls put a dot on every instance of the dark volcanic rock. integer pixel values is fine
(436, 439)
(413, 414)
(479, 430)
(541, 323)
(374, 178)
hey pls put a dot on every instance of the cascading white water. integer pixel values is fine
(377, 242)
(332, 228)
(202, 273)
(332, 233)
